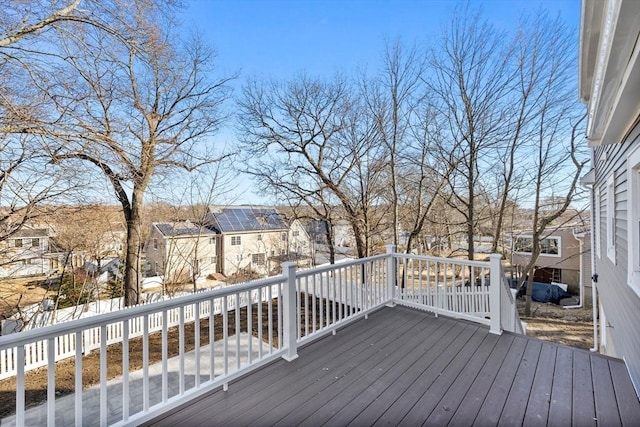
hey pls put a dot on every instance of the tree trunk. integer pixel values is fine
(132, 276)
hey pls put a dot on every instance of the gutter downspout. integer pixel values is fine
(579, 237)
(594, 274)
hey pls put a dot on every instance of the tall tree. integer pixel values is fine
(392, 97)
(302, 132)
(541, 64)
(131, 99)
(468, 86)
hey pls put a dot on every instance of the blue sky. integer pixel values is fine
(281, 38)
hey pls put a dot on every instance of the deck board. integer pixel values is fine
(477, 392)
(583, 404)
(404, 366)
(538, 405)
(562, 389)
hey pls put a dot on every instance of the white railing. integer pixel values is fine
(206, 339)
(194, 356)
(65, 345)
(509, 317)
(459, 288)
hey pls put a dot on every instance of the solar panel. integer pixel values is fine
(247, 219)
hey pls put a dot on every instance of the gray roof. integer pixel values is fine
(30, 232)
(246, 218)
(183, 228)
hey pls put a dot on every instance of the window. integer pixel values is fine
(212, 240)
(238, 257)
(259, 236)
(18, 243)
(155, 243)
(283, 236)
(633, 227)
(258, 259)
(235, 240)
(295, 233)
(548, 246)
(611, 219)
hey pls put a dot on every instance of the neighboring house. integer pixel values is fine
(564, 258)
(300, 243)
(31, 252)
(181, 251)
(343, 234)
(316, 229)
(255, 239)
(610, 86)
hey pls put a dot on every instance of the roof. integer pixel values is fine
(183, 228)
(30, 232)
(609, 68)
(247, 218)
(408, 367)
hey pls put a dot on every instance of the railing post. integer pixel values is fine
(494, 293)
(289, 308)
(391, 274)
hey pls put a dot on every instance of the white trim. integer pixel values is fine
(611, 218)
(558, 238)
(633, 223)
(596, 223)
(611, 10)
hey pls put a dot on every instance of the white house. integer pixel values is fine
(610, 86)
(255, 239)
(30, 252)
(181, 251)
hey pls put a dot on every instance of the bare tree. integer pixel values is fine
(131, 99)
(300, 132)
(468, 89)
(391, 97)
(542, 57)
(550, 170)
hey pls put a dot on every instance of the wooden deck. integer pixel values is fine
(403, 366)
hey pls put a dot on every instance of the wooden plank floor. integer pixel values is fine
(406, 367)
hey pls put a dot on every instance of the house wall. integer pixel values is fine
(155, 254)
(236, 258)
(175, 256)
(27, 260)
(568, 260)
(299, 239)
(184, 254)
(620, 304)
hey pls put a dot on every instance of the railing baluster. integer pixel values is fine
(145, 363)
(212, 359)
(125, 370)
(181, 315)
(196, 343)
(225, 335)
(78, 381)
(249, 328)
(103, 375)
(165, 351)
(51, 381)
(20, 398)
(237, 328)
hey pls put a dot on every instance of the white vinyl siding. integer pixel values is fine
(633, 226)
(611, 219)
